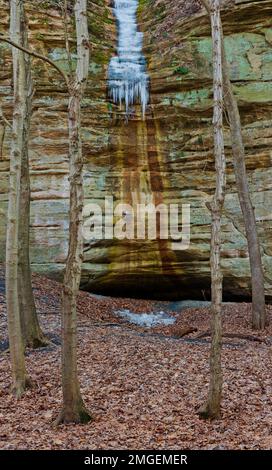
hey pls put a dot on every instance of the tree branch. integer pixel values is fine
(66, 31)
(38, 56)
(206, 5)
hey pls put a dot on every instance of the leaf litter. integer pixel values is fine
(142, 385)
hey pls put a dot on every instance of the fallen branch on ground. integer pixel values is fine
(180, 332)
(233, 335)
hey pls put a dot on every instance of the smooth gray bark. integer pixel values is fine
(211, 408)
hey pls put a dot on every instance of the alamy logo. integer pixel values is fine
(141, 221)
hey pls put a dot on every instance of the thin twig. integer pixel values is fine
(38, 56)
(4, 119)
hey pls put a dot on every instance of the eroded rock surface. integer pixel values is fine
(167, 157)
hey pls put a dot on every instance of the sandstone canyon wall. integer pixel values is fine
(166, 158)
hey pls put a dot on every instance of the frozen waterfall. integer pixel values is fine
(128, 79)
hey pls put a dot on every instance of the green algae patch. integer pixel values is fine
(257, 92)
(247, 54)
(191, 98)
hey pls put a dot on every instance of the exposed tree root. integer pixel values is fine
(79, 415)
(38, 342)
(206, 412)
(19, 388)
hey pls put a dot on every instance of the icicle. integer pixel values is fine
(128, 79)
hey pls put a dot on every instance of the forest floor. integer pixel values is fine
(142, 385)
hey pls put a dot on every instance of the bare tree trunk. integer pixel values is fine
(259, 319)
(31, 331)
(212, 407)
(74, 410)
(73, 407)
(19, 377)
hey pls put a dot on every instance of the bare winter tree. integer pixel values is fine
(31, 331)
(20, 380)
(211, 408)
(73, 406)
(259, 318)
